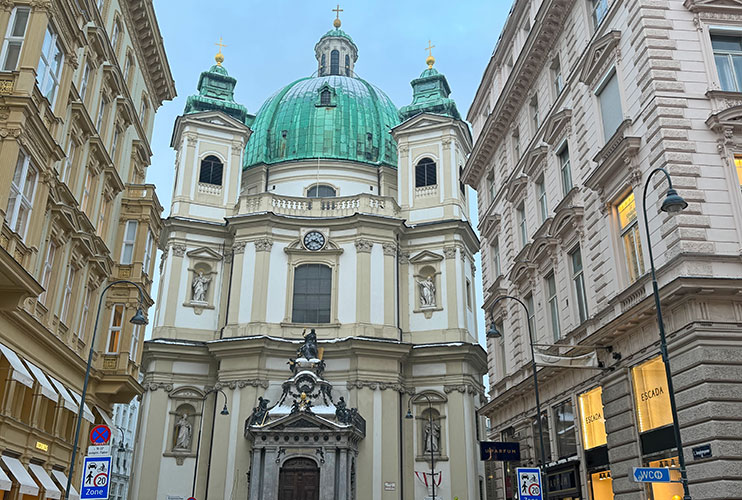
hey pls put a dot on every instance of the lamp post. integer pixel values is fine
(224, 411)
(430, 422)
(672, 204)
(122, 448)
(492, 332)
(137, 319)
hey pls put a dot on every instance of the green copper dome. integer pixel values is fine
(216, 93)
(333, 117)
(337, 32)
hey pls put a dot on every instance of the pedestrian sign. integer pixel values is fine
(651, 475)
(95, 475)
(529, 483)
(100, 434)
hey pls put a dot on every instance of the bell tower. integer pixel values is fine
(336, 52)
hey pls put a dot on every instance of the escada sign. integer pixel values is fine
(657, 391)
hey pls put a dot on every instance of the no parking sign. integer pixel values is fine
(95, 478)
(529, 484)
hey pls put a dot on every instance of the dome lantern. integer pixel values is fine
(335, 52)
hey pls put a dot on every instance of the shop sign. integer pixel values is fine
(593, 422)
(499, 451)
(390, 486)
(651, 395)
(42, 446)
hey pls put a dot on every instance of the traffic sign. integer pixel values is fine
(95, 478)
(99, 450)
(100, 434)
(191, 498)
(529, 483)
(651, 475)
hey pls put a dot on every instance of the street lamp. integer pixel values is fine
(430, 422)
(224, 411)
(122, 448)
(137, 319)
(672, 204)
(493, 333)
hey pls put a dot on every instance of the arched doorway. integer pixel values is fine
(298, 480)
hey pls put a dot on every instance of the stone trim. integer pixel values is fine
(263, 245)
(363, 245)
(382, 386)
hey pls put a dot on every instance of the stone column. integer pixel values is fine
(620, 427)
(327, 480)
(343, 469)
(256, 474)
(363, 292)
(262, 274)
(269, 475)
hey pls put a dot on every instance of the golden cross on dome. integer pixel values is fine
(219, 57)
(337, 12)
(430, 48)
(430, 61)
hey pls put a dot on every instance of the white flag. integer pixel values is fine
(589, 360)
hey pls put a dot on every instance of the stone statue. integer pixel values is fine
(184, 432)
(435, 442)
(427, 292)
(344, 414)
(258, 413)
(309, 349)
(200, 286)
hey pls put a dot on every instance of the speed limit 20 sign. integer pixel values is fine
(529, 484)
(95, 478)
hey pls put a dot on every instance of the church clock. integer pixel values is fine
(314, 240)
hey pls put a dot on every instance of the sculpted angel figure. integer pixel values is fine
(200, 286)
(427, 292)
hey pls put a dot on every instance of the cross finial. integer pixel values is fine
(219, 57)
(430, 61)
(337, 12)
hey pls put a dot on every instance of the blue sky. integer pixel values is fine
(270, 44)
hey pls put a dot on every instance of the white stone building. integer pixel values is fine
(123, 437)
(579, 103)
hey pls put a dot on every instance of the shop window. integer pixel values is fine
(537, 440)
(651, 395)
(667, 490)
(738, 165)
(425, 174)
(211, 171)
(50, 65)
(130, 237)
(509, 472)
(629, 227)
(609, 99)
(601, 483)
(334, 62)
(321, 191)
(565, 430)
(13, 44)
(578, 279)
(593, 421)
(114, 331)
(312, 294)
(22, 190)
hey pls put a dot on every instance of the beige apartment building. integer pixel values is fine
(79, 85)
(579, 103)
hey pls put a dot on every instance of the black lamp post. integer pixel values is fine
(672, 204)
(493, 333)
(224, 411)
(137, 319)
(430, 422)
(122, 448)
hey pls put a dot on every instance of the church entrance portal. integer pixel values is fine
(298, 480)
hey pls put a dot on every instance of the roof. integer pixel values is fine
(216, 93)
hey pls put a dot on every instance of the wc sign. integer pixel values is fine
(95, 478)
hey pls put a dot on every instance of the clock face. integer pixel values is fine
(314, 240)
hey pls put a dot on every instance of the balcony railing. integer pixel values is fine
(206, 188)
(319, 207)
(424, 191)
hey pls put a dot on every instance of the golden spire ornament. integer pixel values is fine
(430, 61)
(337, 10)
(219, 57)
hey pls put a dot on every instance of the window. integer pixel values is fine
(334, 62)
(462, 186)
(114, 332)
(321, 191)
(651, 395)
(347, 65)
(578, 278)
(496, 258)
(600, 8)
(565, 430)
(468, 294)
(425, 173)
(147, 253)
(531, 315)
(322, 65)
(537, 439)
(101, 114)
(22, 190)
(509, 468)
(136, 331)
(86, 188)
(516, 145)
(629, 227)
(100, 229)
(728, 58)
(128, 66)
(46, 272)
(14, 38)
(50, 65)
(556, 73)
(325, 98)
(211, 171)
(312, 294)
(84, 82)
(68, 289)
(591, 413)
(738, 165)
(85, 313)
(115, 142)
(143, 111)
(130, 236)
(522, 224)
(542, 201)
(534, 114)
(566, 170)
(69, 155)
(116, 35)
(552, 299)
(491, 186)
(609, 99)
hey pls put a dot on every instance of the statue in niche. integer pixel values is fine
(200, 286)
(427, 292)
(183, 433)
(432, 437)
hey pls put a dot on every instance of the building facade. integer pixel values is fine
(579, 103)
(316, 286)
(122, 447)
(79, 85)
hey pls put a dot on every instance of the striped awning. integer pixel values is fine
(47, 389)
(50, 489)
(27, 485)
(19, 371)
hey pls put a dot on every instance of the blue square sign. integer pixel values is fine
(529, 483)
(95, 478)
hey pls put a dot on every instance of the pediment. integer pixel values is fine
(423, 120)
(424, 397)
(490, 224)
(534, 158)
(299, 420)
(187, 392)
(216, 118)
(714, 5)
(204, 253)
(557, 125)
(730, 117)
(426, 256)
(516, 187)
(598, 56)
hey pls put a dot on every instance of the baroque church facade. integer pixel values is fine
(316, 289)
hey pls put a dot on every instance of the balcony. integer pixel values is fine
(212, 189)
(318, 207)
(425, 191)
(118, 382)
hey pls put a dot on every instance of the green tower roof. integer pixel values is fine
(430, 95)
(334, 117)
(337, 32)
(216, 93)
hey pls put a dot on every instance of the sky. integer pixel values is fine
(270, 44)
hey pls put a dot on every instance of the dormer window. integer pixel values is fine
(325, 98)
(211, 171)
(335, 62)
(425, 173)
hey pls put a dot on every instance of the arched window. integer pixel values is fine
(321, 191)
(312, 294)
(116, 35)
(325, 99)
(347, 65)
(425, 173)
(211, 171)
(334, 62)
(322, 65)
